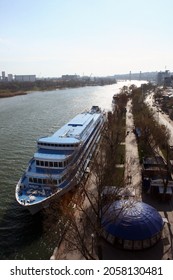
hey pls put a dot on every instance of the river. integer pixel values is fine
(23, 119)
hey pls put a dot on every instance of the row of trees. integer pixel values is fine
(153, 135)
(154, 138)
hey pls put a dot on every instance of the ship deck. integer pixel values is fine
(35, 193)
(71, 132)
(32, 196)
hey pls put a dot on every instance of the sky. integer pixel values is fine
(51, 38)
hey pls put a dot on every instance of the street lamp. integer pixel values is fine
(92, 237)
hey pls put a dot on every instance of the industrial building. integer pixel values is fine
(161, 77)
(10, 77)
(25, 78)
(17, 78)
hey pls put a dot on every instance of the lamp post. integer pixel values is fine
(92, 245)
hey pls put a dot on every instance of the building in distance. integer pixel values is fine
(25, 78)
(161, 76)
(10, 77)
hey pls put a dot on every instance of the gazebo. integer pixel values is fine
(132, 225)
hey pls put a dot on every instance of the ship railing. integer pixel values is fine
(85, 152)
(82, 155)
(29, 164)
(95, 135)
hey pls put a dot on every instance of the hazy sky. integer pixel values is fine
(98, 37)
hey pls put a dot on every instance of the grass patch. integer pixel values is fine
(120, 154)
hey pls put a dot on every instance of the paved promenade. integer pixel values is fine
(132, 165)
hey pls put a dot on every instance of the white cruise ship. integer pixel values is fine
(60, 160)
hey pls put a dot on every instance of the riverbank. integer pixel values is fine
(6, 94)
(10, 89)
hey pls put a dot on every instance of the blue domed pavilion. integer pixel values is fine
(132, 225)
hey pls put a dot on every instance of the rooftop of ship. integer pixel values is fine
(73, 131)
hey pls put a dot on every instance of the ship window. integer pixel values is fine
(46, 163)
(31, 180)
(55, 164)
(37, 162)
(51, 164)
(42, 163)
(35, 180)
(40, 181)
(60, 164)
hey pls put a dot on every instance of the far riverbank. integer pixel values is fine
(10, 89)
(7, 94)
(4, 94)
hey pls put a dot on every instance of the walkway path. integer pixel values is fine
(132, 166)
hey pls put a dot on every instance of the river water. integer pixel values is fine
(23, 119)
